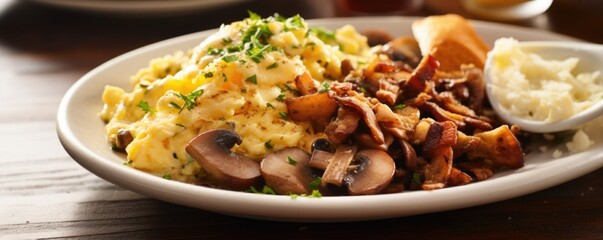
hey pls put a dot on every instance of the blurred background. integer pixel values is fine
(49, 27)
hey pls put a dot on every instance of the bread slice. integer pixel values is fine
(452, 40)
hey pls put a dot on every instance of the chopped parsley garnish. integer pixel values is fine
(284, 115)
(269, 105)
(253, 16)
(400, 106)
(175, 105)
(254, 39)
(293, 23)
(208, 74)
(324, 87)
(268, 144)
(323, 34)
(280, 97)
(273, 65)
(416, 177)
(291, 161)
(213, 51)
(315, 194)
(190, 101)
(226, 40)
(128, 163)
(230, 58)
(253, 79)
(145, 107)
(167, 176)
(181, 125)
(265, 190)
(315, 183)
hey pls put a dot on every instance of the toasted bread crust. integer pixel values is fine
(452, 40)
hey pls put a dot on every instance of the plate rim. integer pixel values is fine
(229, 202)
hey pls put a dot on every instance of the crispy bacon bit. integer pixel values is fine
(388, 92)
(343, 126)
(457, 178)
(440, 134)
(438, 147)
(362, 105)
(480, 170)
(416, 83)
(396, 124)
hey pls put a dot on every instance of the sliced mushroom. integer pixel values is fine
(410, 155)
(346, 67)
(373, 173)
(311, 107)
(123, 138)
(404, 49)
(377, 37)
(305, 84)
(286, 171)
(438, 170)
(322, 153)
(338, 166)
(211, 150)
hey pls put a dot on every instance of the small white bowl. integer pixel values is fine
(515, 12)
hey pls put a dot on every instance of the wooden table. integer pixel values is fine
(46, 194)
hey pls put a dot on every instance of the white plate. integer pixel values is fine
(144, 7)
(81, 132)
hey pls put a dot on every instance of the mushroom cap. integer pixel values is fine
(374, 173)
(211, 150)
(286, 171)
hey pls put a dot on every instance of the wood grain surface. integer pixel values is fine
(46, 194)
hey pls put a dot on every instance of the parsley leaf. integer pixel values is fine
(324, 87)
(273, 65)
(294, 23)
(145, 107)
(291, 161)
(190, 101)
(400, 106)
(253, 15)
(230, 58)
(265, 190)
(284, 115)
(315, 183)
(253, 79)
(268, 144)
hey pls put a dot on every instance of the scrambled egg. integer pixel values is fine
(237, 78)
